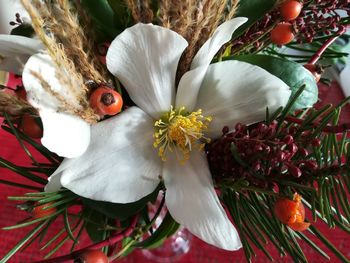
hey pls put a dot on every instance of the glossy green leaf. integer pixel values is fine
(120, 211)
(94, 225)
(253, 10)
(293, 74)
(102, 15)
(122, 16)
(166, 229)
(25, 30)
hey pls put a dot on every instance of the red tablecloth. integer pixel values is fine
(199, 252)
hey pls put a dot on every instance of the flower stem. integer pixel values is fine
(324, 47)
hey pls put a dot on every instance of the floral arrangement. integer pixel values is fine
(195, 102)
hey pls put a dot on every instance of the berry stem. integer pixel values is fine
(324, 47)
(327, 129)
(108, 242)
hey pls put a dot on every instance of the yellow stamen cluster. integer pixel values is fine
(180, 130)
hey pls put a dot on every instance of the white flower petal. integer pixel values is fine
(120, 165)
(235, 91)
(189, 85)
(221, 36)
(193, 202)
(65, 134)
(145, 59)
(8, 10)
(15, 51)
(191, 81)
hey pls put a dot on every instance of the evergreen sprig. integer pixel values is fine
(324, 189)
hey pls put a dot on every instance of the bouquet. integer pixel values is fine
(205, 108)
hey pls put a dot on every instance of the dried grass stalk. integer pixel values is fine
(196, 21)
(65, 26)
(233, 9)
(78, 108)
(141, 10)
(14, 106)
(69, 75)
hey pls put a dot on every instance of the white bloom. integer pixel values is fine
(15, 51)
(8, 10)
(121, 165)
(64, 133)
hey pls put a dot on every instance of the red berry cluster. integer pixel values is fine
(259, 154)
(320, 17)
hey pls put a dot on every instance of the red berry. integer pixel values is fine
(282, 34)
(21, 93)
(30, 126)
(40, 211)
(106, 101)
(315, 70)
(290, 10)
(93, 256)
(316, 142)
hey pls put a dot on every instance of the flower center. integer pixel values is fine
(180, 130)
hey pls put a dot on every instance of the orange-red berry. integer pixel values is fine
(282, 34)
(92, 256)
(291, 213)
(106, 101)
(40, 211)
(21, 93)
(31, 127)
(290, 10)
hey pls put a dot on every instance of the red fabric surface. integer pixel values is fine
(199, 252)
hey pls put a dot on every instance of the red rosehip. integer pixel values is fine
(30, 126)
(92, 256)
(106, 101)
(290, 9)
(21, 93)
(282, 34)
(291, 213)
(40, 211)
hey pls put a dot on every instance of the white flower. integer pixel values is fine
(64, 133)
(8, 10)
(15, 51)
(121, 165)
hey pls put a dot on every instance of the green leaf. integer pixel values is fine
(122, 16)
(253, 10)
(166, 229)
(94, 225)
(121, 211)
(293, 74)
(103, 16)
(25, 30)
